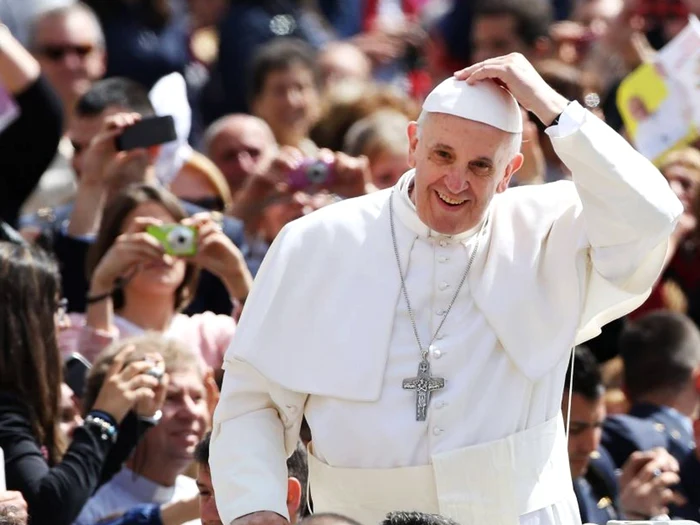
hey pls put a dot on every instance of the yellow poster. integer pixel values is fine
(659, 102)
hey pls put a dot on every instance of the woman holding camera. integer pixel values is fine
(55, 479)
(137, 286)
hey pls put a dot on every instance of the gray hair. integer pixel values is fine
(64, 11)
(512, 149)
(216, 127)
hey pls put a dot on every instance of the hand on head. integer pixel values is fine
(519, 76)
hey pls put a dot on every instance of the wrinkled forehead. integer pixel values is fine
(464, 135)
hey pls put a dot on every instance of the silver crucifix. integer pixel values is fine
(423, 384)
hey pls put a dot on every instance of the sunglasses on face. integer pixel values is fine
(56, 52)
(209, 203)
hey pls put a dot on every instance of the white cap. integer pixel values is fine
(484, 101)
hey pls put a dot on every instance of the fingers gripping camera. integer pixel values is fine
(176, 239)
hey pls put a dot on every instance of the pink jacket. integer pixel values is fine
(208, 334)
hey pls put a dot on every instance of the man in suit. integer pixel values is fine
(601, 495)
(661, 355)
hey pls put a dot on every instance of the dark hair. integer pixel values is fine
(153, 13)
(113, 222)
(532, 17)
(416, 518)
(30, 360)
(201, 451)
(114, 92)
(587, 379)
(297, 466)
(279, 55)
(329, 518)
(660, 351)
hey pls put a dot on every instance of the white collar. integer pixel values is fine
(407, 214)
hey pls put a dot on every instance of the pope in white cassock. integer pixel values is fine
(424, 330)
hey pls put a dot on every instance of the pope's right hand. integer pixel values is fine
(264, 517)
(129, 251)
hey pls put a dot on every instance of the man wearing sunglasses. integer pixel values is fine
(68, 43)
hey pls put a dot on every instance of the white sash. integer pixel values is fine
(491, 483)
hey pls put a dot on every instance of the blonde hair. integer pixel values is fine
(686, 157)
(203, 165)
(176, 356)
(385, 130)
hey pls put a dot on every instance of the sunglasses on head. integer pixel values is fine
(57, 52)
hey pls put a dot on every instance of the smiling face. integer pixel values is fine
(460, 165)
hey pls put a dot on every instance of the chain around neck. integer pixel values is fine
(475, 249)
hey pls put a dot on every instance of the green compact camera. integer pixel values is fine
(176, 239)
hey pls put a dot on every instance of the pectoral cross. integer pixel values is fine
(423, 384)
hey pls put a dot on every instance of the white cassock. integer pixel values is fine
(326, 333)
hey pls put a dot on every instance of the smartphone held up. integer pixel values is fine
(146, 133)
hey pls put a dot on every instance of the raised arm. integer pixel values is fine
(29, 144)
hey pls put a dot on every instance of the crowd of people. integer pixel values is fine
(112, 342)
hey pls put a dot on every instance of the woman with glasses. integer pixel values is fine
(54, 478)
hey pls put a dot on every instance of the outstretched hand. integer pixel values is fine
(519, 76)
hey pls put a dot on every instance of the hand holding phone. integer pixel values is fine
(147, 132)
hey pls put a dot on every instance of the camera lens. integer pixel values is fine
(317, 173)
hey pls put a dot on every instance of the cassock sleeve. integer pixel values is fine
(256, 427)
(628, 212)
(256, 421)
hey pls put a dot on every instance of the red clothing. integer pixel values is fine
(684, 270)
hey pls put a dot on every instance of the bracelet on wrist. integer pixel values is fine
(109, 418)
(108, 432)
(92, 299)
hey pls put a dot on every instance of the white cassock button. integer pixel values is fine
(444, 286)
(443, 243)
(437, 431)
(440, 404)
(292, 408)
(439, 336)
(440, 312)
(443, 259)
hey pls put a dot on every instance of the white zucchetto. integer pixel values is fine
(484, 101)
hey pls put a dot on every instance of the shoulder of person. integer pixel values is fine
(343, 216)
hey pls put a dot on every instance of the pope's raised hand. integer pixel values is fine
(519, 76)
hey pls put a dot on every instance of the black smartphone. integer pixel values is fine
(75, 371)
(147, 132)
